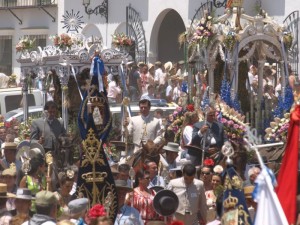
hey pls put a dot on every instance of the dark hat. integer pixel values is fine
(24, 193)
(122, 184)
(36, 148)
(45, 198)
(194, 150)
(78, 205)
(165, 202)
(172, 147)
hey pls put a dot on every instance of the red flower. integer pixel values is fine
(190, 108)
(97, 211)
(177, 222)
(209, 162)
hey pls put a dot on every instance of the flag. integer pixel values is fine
(269, 210)
(288, 173)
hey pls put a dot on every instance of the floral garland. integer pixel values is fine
(278, 129)
(175, 126)
(110, 150)
(121, 40)
(204, 31)
(63, 41)
(233, 130)
(287, 39)
(25, 44)
(230, 40)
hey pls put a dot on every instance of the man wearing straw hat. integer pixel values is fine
(5, 216)
(10, 152)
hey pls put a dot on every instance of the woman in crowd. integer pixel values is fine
(211, 196)
(36, 179)
(143, 197)
(66, 180)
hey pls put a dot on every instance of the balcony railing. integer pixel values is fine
(27, 3)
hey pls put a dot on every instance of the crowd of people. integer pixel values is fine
(31, 196)
(192, 170)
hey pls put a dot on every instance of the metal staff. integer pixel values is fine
(49, 161)
(205, 121)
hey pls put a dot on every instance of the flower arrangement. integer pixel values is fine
(110, 150)
(278, 129)
(176, 125)
(209, 162)
(233, 130)
(25, 44)
(97, 211)
(121, 40)
(230, 39)
(287, 39)
(204, 31)
(62, 41)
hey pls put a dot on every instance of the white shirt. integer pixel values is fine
(113, 90)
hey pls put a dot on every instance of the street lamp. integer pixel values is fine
(101, 9)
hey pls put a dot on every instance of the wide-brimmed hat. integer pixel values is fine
(78, 206)
(4, 193)
(150, 65)
(45, 198)
(165, 202)
(10, 146)
(24, 193)
(37, 147)
(172, 147)
(168, 65)
(193, 149)
(122, 184)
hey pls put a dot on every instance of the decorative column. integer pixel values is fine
(261, 64)
(64, 75)
(42, 80)
(284, 79)
(25, 80)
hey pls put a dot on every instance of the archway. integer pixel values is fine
(164, 38)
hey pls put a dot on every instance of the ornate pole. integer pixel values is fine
(42, 78)
(25, 80)
(64, 75)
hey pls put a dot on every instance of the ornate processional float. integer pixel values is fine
(65, 67)
(223, 48)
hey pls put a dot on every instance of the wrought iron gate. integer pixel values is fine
(292, 24)
(135, 30)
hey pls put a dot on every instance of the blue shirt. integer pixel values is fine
(128, 216)
(157, 181)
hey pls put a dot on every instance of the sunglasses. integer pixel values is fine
(205, 173)
(146, 178)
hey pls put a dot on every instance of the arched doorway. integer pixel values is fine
(164, 38)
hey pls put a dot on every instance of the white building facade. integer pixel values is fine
(155, 24)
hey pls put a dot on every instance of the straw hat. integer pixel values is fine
(168, 66)
(4, 193)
